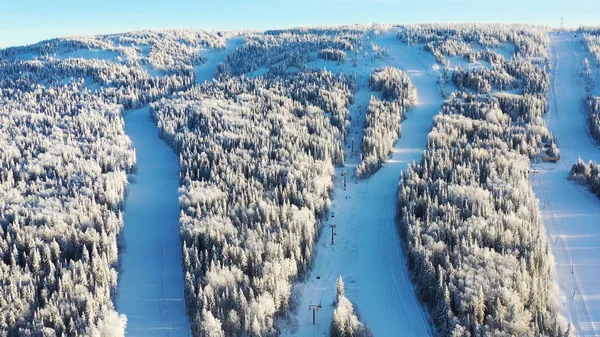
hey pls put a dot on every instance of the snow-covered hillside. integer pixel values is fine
(367, 251)
(571, 213)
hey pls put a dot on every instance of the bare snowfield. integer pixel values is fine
(367, 250)
(571, 214)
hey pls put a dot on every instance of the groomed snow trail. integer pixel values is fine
(151, 279)
(367, 252)
(571, 214)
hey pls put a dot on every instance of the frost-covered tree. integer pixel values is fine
(345, 322)
(588, 174)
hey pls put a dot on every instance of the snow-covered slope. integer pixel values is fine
(571, 213)
(151, 279)
(367, 251)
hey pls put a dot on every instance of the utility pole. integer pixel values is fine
(345, 173)
(574, 290)
(314, 308)
(352, 151)
(332, 226)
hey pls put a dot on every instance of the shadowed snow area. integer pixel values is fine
(367, 251)
(571, 213)
(151, 278)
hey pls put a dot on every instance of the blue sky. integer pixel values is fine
(28, 21)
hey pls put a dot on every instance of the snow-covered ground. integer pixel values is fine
(367, 251)
(571, 214)
(151, 278)
(206, 71)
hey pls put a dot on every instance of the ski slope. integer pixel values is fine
(151, 281)
(367, 251)
(571, 214)
(151, 278)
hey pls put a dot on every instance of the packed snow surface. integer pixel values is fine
(367, 251)
(571, 214)
(151, 277)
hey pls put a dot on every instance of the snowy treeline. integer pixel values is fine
(256, 159)
(64, 160)
(593, 108)
(459, 39)
(345, 322)
(476, 244)
(291, 48)
(383, 116)
(166, 50)
(587, 174)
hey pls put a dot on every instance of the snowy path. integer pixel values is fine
(571, 214)
(367, 251)
(151, 279)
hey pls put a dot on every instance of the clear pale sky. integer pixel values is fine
(29, 21)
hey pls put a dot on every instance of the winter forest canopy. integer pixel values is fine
(257, 148)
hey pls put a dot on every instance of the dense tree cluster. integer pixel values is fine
(593, 108)
(345, 322)
(64, 161)
(256, 160)
(482, 81)
(383, 116)
(475, 241)
(587, 174)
